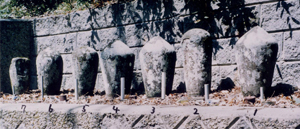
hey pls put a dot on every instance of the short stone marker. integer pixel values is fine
(197, 61)
(76, 89)
(85, 67)
(117, 61)
(163, 85)
(42, 89)
(157, 56)
(262, 96)
(19, 75)
(122, 88)
(206, 92)
(256, 53)
(49, 66)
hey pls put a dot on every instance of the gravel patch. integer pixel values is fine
(233, 97)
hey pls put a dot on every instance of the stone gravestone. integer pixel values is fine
(197, 61)
(157, 56)
(117, 60)
(256, 53)
(19, 74)
(49, 66)
(85, 67)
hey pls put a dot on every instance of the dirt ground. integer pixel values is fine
(231, 97)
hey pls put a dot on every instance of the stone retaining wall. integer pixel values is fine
(137, 22)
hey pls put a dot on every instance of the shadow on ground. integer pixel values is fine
(281, 88)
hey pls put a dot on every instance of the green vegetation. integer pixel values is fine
(9, 11)
(12, 9)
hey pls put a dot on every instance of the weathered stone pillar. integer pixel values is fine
(19, 74)
(49, 65)
(256, 53)
(116, 61)
(157, 56)
(85, 67)
(197, 61)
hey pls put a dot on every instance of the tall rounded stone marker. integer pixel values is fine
(19, 74)
(157, 56)
(197, 50)
(116, 61)
(49, 66)
(85, 67)
(256, 53)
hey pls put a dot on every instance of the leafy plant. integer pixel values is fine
(20, 8)
(4, 9)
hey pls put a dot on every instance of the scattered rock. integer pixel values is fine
(199, 102)
(213, 101)
(297, 100)
(197, 98)
(178, 99)
(222, 104)
(249, 99)
(269, 103)
(144, 97)
(62, 97)
(224, 91)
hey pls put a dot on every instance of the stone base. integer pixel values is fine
(103, 116)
